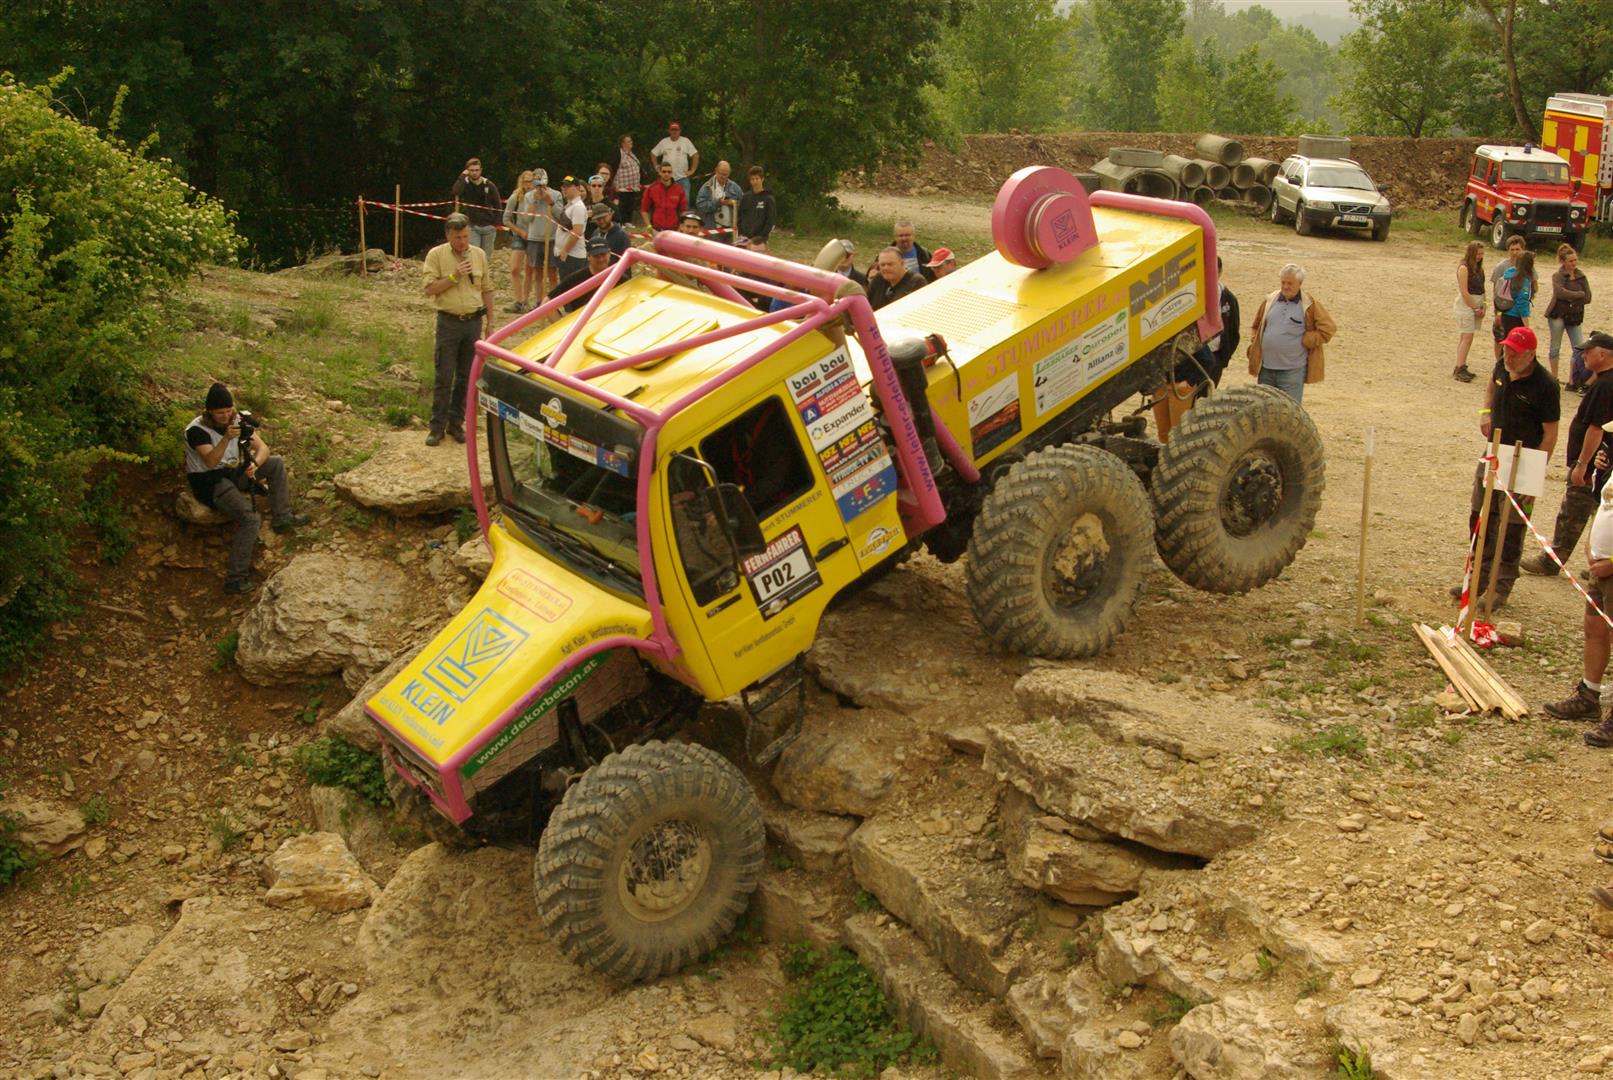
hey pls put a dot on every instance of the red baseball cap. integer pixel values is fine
(1520, 339)
(941, 255)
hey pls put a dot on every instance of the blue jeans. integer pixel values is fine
(688, 193)
(1290, 381)
(483, 237)
(1576, 337)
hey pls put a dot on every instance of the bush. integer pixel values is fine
(93, 237)
(337, 763)
(14, 858)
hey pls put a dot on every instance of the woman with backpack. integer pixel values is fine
(1469, 306)
(1570, 292)
(1515, 293)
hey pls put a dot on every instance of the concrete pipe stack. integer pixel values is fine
(1218, 170)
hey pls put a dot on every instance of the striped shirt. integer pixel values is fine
(627, 175)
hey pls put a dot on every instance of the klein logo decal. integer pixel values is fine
(474, 654)
(1064, 229)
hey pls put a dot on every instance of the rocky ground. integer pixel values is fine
(1245, 837)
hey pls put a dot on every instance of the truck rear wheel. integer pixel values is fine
(1058, 553)
(1237, 489)
(649, 860)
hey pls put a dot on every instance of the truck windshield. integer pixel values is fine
(1339, 176)
(1536, 172)
(567, 474)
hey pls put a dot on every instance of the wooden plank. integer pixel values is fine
(1430, 640)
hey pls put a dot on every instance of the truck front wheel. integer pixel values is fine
(1237, 489)
(1059, 552)
(649, 860)
(1498, 228)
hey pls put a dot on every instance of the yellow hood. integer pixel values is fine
(528, 617)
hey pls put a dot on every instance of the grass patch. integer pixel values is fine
(355, 518)
(337, 763)
(224, 829)
(235, 753)
(1539, 753)
(1352, 1064)
(465, 524)
(398, 416)
(867, 901)
(1312, 986)
(309, 713)
(1453, 736)
(224, 650)
(1267, 963)
(837, 1019)
(1340, 740)
(1417, 716)
(1176, 1006)
(314, 313)
(1566, 734)
(15, 859)
(96, 810)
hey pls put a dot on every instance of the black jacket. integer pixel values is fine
(480, 202)
(1229, 327)
(882, 292)
(758, 213)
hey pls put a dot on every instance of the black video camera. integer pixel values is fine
(249, 425)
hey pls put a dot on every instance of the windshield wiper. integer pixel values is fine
(578, 549)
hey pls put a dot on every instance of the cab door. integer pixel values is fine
(755, 617)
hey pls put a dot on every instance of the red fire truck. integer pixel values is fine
(1579, 129)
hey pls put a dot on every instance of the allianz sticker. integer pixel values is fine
(552, 413)
(878, 539)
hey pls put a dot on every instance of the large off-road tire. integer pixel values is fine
(649, 860)
(411, 807)
(1059, 552)
(1237, 489)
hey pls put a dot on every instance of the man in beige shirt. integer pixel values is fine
(457, 281)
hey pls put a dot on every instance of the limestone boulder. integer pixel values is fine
(961, 1024)
(935, 883)
(406, 477)
(44, 827)
(1235, 1039)
(473, 558)
(1120, 755)
(371, 834)
(109, 957)
(1359, 1025)
(792, 905)
(816, 842)
(1068, 861)
(325, 613)
(844, 762)
(316, 870)
(188, 507)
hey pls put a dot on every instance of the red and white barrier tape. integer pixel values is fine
(1551, 553)
(407, 209)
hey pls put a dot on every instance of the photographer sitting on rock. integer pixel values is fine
(224, 478)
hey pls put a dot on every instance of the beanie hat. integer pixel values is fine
(218, 397)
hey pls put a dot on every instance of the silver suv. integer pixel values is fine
(1334, 193)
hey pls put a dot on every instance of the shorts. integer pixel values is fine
(1601, 591)
(1505, 324)
(516, 243)
(1467, 320)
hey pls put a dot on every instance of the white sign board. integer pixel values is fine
(1531, 471)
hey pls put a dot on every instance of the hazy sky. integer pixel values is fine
(1289, 9)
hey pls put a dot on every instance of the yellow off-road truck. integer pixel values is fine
(682, 485)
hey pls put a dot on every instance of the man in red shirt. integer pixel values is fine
(664, 201)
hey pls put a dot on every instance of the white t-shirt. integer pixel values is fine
(1602, 527)
(675, 152)
(576, 217)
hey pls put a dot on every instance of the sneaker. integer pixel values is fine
(289, 522)
(238, 585)
(1463, 374)
(1539, 564)
(434, 438)
(516, 307)
(457, 434)
(1601, 735)
(1583, 704)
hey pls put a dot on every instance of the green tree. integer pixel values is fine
(1000, 66)
(1308, 65)
(1252, 98)
(1400, 68)
(1133, 37)
(92, 238)
(1189, 95)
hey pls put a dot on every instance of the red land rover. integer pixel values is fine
(1524, 190)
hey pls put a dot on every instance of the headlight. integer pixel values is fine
(1576, 213)
(1320, 205)
(1518, 209)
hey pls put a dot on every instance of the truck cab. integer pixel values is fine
(1524, 191)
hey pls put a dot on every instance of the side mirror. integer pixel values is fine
(729, 506)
